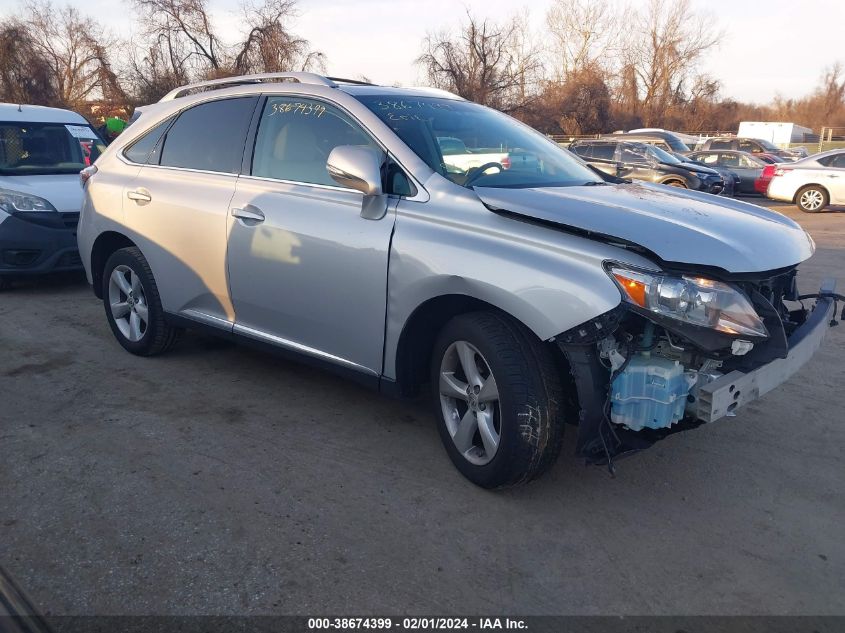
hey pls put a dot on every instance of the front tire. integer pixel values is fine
(133, 305)
(497, 395)
(812, 199)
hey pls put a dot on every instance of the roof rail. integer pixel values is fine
(354, 82)
(300, 77)
(439, 92)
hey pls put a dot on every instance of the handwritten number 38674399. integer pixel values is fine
(304, 109)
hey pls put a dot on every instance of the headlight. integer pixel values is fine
(702, 176)
(694, 300)
(16, 201)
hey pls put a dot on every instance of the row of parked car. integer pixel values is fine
(727, 166)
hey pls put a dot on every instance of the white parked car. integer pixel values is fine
(42, 151)
(811, 183)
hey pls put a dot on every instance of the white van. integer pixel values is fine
(42, 151)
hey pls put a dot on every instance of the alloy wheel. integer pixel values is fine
(128, 303)
(812, 200)
(469, 399)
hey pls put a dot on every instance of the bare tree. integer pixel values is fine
(584, 34)
(186, 28)
(25, 75)
(270, 46)
(488, 63)
(664, 48)
(75, 50)
(158, 69)
(183, 45)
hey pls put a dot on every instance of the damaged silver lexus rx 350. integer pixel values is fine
(407, 237)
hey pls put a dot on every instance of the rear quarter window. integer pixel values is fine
(147, 149)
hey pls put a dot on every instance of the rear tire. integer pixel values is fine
(812, 199)
(508, 433)
(133, 305)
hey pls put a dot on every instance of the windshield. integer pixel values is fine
(662, 155)
(46, 148)
(677, 144)
(473, 145)
(766, 145)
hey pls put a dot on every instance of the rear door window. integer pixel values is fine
(633, 153)
(730, 160)
(749, 146)
(720, 144)
(604, 151)
(708, 159)
(209, 136)
(834, 160)
(583, 150)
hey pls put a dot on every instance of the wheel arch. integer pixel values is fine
(104, 246)
(420, 331)
(674, 178)
(809, 184)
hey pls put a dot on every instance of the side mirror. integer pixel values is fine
(357, 167)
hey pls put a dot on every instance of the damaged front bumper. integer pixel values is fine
(600, 440)
(731, 391)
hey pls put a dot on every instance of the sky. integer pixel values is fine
(769, 47)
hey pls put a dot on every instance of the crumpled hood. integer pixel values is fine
(63, 191)
(676, 225)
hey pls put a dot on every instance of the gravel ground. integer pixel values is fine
(219, 480)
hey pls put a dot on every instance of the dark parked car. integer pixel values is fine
(641, 161)
(746, 166)
(750, 145)
(664, 140)
(730, 179)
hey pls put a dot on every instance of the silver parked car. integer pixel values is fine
(319, 217)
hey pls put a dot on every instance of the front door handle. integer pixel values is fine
(139, 195)
(248, 212)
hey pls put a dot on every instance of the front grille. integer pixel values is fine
(70, 220)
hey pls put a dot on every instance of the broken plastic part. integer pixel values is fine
(741, 348)
(651, 392)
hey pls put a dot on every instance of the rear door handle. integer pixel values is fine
(139, 195)
(248, 212)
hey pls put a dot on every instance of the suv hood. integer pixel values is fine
(699, 168)
(678, 226)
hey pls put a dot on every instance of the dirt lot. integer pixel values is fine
(221, 480)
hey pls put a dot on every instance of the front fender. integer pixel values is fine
(546, 278)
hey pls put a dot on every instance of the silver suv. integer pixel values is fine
(323, 218)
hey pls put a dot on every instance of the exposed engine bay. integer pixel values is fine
(658, 375)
